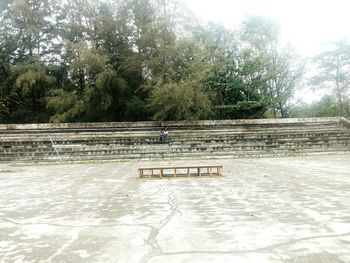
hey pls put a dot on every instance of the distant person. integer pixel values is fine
(163, 137)
(165, 134)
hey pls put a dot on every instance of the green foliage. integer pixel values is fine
(241, 110)
(81, 61)
(176, 91)
(103, 95)
(334, 74)
(26, 91)
(325, 107)
(260, 32)
(135, 110)
(237, 88)
(99, 101)
(32, 78)
(281, 68)
(67, 106)
(179, 101)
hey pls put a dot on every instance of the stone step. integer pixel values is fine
(182, 140)
(172, 155)
(179, 137)
(189, 125)
(122, 141)
(185, 148)
(13, 134)
(26, 130)
(282, 142)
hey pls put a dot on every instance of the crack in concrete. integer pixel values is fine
(72, 226)
(75, 236)
(263, 249)
(152, 239)
(160, 189)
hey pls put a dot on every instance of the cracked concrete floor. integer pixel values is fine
(262, 210)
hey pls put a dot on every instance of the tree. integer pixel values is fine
(90, 63)
(25, 78)
(286, 71)
(177, 94)
(218, 44)
(7, 45)
(114, 60)
(179, 101)
(281, 67)
(176, 70)
(236, 88)
(333, 73)
(32, 27)
(142, 35)
(325, 107)
(98, 97)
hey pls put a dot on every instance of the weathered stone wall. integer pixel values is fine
(163, 123)
(140, 140)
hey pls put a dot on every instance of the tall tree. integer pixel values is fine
(114, 60)
(7, 48)
(28, 29)
(176, 69)
(178, 93)
(236, 88)
(325, 107)
(333, 73)
(281, 67)
(219, 44)
(95, 89)
(32, 26)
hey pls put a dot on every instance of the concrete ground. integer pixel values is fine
(262, 210)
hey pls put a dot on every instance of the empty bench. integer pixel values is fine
(180, 171)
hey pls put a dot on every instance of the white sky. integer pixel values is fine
(307, 24)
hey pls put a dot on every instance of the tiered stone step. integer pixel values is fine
(122, 141)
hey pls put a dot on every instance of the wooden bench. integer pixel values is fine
(180, 171)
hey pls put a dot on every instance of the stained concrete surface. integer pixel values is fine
(291, 210)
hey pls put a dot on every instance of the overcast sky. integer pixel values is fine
(309, 25)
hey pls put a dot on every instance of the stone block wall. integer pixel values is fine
(187, 139)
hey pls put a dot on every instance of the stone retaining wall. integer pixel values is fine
(140, 140)
(164, 123)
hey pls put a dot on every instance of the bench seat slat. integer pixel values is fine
(152, 171)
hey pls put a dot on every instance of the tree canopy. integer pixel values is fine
(131, 60)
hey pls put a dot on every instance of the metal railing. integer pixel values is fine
(53, 145)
